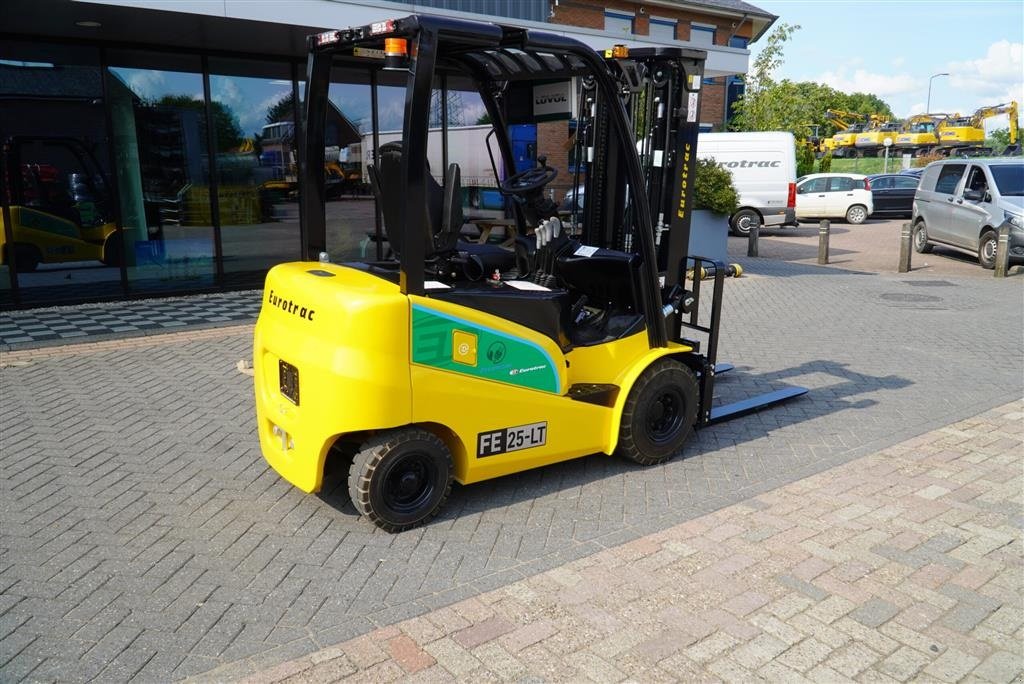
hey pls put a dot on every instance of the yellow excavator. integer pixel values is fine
(850, 124)
(966, 135)
(920, 133)
(872, 140)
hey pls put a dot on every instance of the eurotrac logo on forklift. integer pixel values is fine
(684, 180)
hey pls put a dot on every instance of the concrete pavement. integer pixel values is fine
(144, 538)
(903, 565)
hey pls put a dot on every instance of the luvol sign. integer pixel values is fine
(552, 101)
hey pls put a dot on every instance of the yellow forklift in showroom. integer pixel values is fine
(461, 362)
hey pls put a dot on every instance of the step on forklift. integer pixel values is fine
(452, 361)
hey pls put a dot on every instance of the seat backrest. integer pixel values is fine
(444, 210)
(451, 210)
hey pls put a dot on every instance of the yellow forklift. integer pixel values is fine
(462, 362)
(54, 215)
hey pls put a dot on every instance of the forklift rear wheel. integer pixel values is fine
(26, 258)
(112, 250)
(400, 478)
(659, 414)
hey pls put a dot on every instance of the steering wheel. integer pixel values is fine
(530, 179)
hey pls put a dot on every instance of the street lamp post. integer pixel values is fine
(928, 107)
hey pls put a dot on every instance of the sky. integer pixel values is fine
(891, 48)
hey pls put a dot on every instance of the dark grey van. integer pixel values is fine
(961, 203)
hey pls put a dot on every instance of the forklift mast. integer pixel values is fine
(636, 130)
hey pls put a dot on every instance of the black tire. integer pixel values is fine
(987, 249)
(659, 414)
(27, 258)
(920, 236)
(113, 250)
(400, 478)
(857, 214)
(742, 220)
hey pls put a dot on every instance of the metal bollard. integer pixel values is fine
(755, 233)
(1003, 250)
(906, 237)
(823, 231)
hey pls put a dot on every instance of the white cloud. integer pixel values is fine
(863, 81)
(146, 83)
(897, 62)
(917, 108)
(993, 79)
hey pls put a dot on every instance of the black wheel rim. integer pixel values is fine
(409, 483)
(665, 416)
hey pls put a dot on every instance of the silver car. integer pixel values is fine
(961, 203)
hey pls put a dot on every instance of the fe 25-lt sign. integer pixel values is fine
(511, 439)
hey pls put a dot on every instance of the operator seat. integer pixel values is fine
(444, 218)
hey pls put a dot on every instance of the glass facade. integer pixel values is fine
(257, 190)
(135, 172)
(159, 121)
(60, 229)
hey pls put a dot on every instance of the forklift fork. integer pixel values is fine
(709, 368)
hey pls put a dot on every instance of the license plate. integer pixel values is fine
(289, 377)
(516, 438)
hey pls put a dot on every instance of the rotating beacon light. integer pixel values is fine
(396, 54)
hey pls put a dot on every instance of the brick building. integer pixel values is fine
(703, 24)
(699, 24)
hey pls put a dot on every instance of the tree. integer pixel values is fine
(998, 139)
(282, 110)
(797, 107)
(225, 123)
(767, 105)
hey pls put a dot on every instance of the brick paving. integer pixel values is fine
(143, 538)
(903, 565)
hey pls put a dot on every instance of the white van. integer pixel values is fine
(763, 167)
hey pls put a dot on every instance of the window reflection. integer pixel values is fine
(350, 210)
(257, 169)
(58, 227)
(159, 124)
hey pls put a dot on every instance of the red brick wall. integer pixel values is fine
(590, 14)
(712, 103)
(552, 137)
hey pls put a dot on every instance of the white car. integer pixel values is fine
(834, 195)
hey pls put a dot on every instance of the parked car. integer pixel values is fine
(962, 203)
(893, 194)
(834, 195)
(913, 172)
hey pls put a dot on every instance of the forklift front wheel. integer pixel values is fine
(400, 478)
(659, 414)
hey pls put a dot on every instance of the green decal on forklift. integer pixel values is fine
(501, 357)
